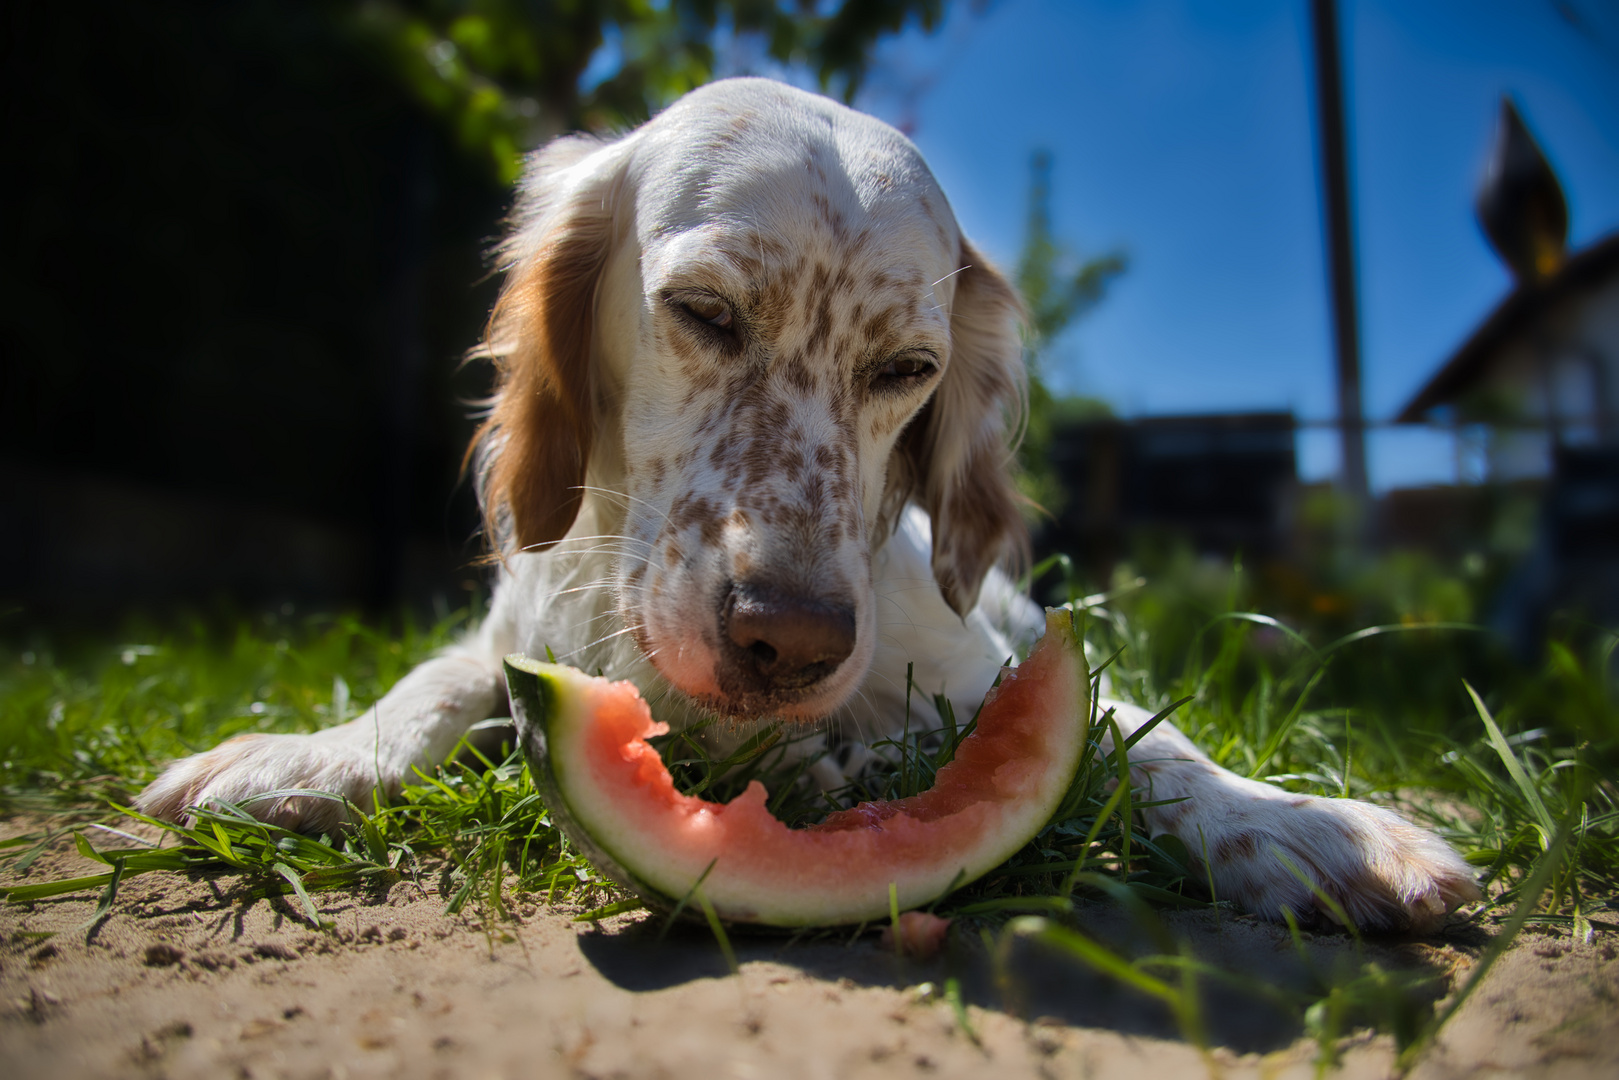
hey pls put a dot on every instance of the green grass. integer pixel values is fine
(1515, 766)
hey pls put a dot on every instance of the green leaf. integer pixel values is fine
(617, 907)
(298, 887)
(108, 895)
(89, 852)
(23, 894)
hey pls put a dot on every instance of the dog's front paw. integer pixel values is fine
(245, 769)
(1382, 872)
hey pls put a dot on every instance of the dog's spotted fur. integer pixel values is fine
(750, 450)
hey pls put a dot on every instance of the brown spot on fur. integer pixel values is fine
(1171, 815)
(689, 510)
(721, 452)
(821, 328)
(799, 378)
(792, 465)
(712, 531)
(1235, 848)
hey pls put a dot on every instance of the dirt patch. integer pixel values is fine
(201, 978)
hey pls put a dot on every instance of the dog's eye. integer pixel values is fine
(710, 310)
(907, 367)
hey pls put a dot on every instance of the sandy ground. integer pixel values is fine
(197, 978)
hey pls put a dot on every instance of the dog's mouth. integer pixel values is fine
(768, 654)
(755, 709)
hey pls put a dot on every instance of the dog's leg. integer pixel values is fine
(1384, 872)
(415, 725)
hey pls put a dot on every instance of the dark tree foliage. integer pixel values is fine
(243, 250)
(506, 74)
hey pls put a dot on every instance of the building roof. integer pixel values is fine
(1512, 319)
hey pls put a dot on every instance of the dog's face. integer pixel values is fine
(787, 338)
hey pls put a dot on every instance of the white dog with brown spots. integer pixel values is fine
(749, 450)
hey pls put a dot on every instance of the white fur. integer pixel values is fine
(792, 449)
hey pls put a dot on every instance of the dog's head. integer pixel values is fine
(753, 326)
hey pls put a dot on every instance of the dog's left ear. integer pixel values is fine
(534, 448)
(955, 457)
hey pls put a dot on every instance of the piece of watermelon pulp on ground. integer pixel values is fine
(606, 786)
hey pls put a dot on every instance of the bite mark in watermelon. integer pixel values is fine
(606, 786)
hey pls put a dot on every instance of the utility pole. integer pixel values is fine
(1340, 241)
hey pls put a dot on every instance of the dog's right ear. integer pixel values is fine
(532, 450)
(955, 459)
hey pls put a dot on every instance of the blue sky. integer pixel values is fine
(1183, 135)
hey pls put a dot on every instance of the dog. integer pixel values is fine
(750, 449)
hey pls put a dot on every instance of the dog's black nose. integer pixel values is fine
(779, 641)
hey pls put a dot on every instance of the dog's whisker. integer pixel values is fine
(620, 632)
(615, 550)
(565, 544)
(599, 585)
(611, 493)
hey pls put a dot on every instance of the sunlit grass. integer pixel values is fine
(1514, 766)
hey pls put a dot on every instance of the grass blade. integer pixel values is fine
(108, 895)
(298, 887)
(685, 900)
(1279, 736)
(617, 907)
(958, 1006)
(1075, 944)
(893, 917)
(44, 890)
(1520, 778)
(1333, 906)
(1157, 718)
(718, 928)
(1529, 897)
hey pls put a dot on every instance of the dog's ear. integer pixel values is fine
(533, 448)
(955, 457)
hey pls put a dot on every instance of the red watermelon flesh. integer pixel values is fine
(609, 789)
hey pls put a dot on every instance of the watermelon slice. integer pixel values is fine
(585, 739)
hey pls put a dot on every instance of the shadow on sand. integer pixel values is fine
(1033, 982)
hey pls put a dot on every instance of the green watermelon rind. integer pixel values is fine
(550, 698)
(538, 702)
